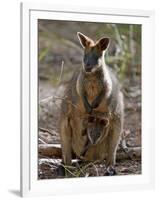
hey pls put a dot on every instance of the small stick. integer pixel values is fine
(62, 67)
(45, 130)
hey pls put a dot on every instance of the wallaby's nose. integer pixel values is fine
(87, 64)
(88, 67)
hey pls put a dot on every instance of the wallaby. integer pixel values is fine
(92, 90)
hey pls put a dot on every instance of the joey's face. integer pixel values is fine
(93, 52)
(96, 129)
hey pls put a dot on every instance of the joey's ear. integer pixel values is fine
(104, 122)
(84, 40)
(103, 43)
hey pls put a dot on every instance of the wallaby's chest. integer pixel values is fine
(92, 88)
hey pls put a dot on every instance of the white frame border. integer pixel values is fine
(30, 186)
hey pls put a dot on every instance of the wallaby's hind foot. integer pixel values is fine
(110, 171)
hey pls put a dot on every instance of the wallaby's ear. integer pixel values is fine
(84, 40)
(103, 43)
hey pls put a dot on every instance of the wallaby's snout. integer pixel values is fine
(91, 59)
(93, 51)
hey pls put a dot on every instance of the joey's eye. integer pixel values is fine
(98, 134)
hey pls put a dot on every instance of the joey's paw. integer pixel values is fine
(110, 171)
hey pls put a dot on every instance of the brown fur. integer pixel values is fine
(73, 112)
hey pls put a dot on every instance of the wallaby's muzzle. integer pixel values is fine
(90, 61)
(88, 68)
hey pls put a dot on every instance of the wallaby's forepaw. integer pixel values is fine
(110, 171)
